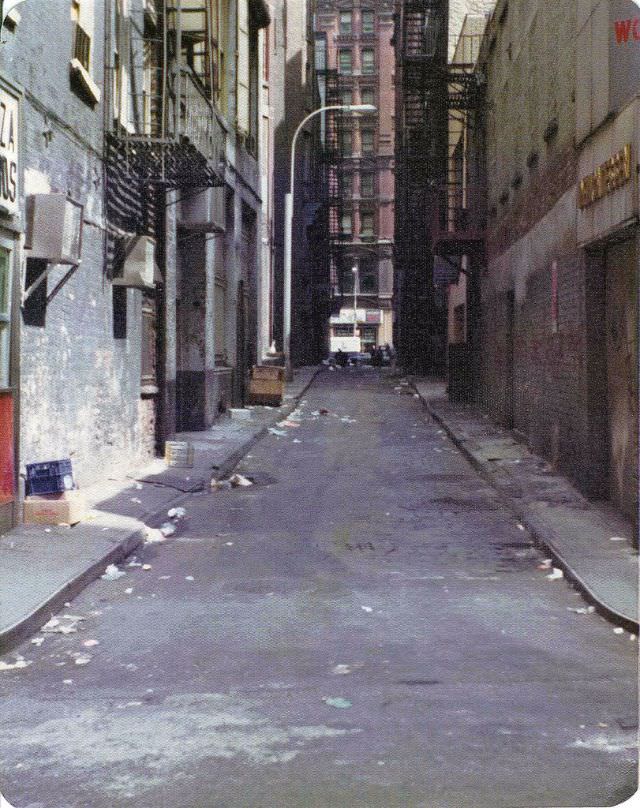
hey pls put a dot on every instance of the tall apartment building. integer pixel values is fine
(359, 63)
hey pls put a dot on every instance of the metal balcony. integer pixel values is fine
(458, 226)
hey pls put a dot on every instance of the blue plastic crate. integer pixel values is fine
(52, 477)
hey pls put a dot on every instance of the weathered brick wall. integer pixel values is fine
(534, 369)
(79, 387)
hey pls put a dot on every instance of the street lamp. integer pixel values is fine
(288, 227)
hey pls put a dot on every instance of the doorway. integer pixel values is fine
(622, 374)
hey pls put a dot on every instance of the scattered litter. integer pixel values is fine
(164, 577)
(332, 369)
(617, 538)
(153, 536)
(324, 411)
(20, 662)
(67, 681)
(546, 564)
(315, 413)
(295, 440)
(229, 544)
(138, 486)
(341, 670)
(136, 500)
(167, 529)
(220, 485)
(83, 659)
(240, 481)
(337, 701)
(176, 513)
(289, 424)
(128, 591)
(47, 530)
(189, 578)
(618, 630)
(280, 433)
(112, 573)
(134, 562)
(347, 420)
(37, 641)
(67, 624)
(582, 610)
(416, 395)
(602, 725)
(520, 527)
(366, 609)
(556, 575)
(146, 567)
(91, 643)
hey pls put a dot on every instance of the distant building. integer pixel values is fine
(358, 69)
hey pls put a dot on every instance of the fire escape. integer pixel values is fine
(421, 173)
(166, 134)
(334, 187)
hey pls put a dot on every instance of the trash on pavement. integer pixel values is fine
(324, 411)
(153, 536)
(136, 500)
(179, 454)
(337, 701)
(128, 590)
(83, 659)
(91, 643)
(37, 641)
(520, 526)
(546, 564)
(167, 529)
(189, 578)
(20, 662)
(146, 567)
(295, 440)
(366, 609)
(582, 610)
(176, 513)
(618, 630)
(280, 433)
(66, 624)
(289, 424)
(112, 573)
(341, 670)
(556, 575)
(617, 538)
(220, 485)
(240, 481)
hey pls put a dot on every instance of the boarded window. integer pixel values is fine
(243, 77)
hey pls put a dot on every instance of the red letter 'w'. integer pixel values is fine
(623, 29)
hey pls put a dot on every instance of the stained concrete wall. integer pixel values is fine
(80, 387)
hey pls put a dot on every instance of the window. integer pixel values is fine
(5, 315)
(347, 185)
(366, 225)
(366, 184)
(343, 330)
(368, 61)
(34, 308)
(346, 143)
(367, 96)
(345, 62)
(346, 97)
(119, 294)
(369, 280)
(367, 141)
(345, 22)
(148, 379)
(368, 21)
(345, 224)
(82, 52)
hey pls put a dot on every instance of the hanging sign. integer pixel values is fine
(8, 152)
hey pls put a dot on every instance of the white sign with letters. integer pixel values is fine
(9, 121)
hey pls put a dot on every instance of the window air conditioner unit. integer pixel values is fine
(54, 228)
(138, 269)
(204, 211)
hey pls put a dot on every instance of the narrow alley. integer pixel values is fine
(367, 625)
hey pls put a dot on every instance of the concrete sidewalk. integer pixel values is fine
(41, 568)
(583, 538)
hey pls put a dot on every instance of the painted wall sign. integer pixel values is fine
(9, 140)
(624, 52)
(614, 173)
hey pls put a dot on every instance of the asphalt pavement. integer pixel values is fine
(366, 625)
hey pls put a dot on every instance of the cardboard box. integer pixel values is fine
(273, 373)
(266, 391)
(55, 509)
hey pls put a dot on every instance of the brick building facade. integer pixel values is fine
(358, 36)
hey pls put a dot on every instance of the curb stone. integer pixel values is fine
(15, 634)
(540, 531)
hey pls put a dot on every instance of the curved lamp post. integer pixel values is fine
(288, 226)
